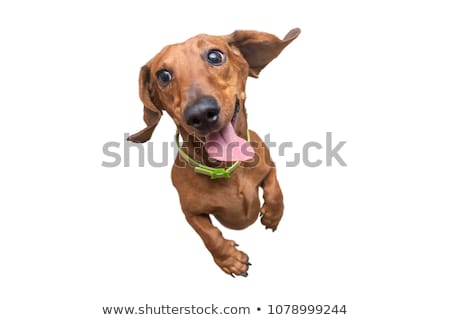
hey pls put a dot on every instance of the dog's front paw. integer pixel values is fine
(271, 215)
(231, 260)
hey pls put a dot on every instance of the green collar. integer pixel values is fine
(213, 173)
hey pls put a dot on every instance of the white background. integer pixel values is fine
(75, 236)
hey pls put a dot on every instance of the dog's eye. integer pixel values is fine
(164, 77)
(215, 57)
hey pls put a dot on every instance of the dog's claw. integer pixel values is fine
(248, 263)
(232, 275)
(244, 274)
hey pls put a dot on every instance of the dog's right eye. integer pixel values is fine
(164, 77)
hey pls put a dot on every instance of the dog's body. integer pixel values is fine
(200, 83)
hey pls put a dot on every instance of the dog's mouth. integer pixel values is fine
(226, 145)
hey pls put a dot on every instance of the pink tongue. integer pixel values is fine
(225, 145)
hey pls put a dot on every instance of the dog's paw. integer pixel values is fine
(232, 261)
(271, 215)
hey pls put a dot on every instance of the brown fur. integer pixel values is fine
(234, 201)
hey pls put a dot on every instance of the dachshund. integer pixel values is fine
(220, 164)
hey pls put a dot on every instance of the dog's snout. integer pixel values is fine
(203, 114)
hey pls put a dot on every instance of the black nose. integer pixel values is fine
(203, 114)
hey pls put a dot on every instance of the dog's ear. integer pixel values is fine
(152, 114)
(259, 48)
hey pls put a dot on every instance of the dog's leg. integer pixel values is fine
(272, 209)
(224, 252)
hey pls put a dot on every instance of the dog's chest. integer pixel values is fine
(234, 201)
(235, 205)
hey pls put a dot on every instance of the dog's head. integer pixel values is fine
(200, 83)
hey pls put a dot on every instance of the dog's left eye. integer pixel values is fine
(215, 57)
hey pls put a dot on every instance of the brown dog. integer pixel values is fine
(200, 83)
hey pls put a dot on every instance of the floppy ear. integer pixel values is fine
(259, 48)
(151, 113)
